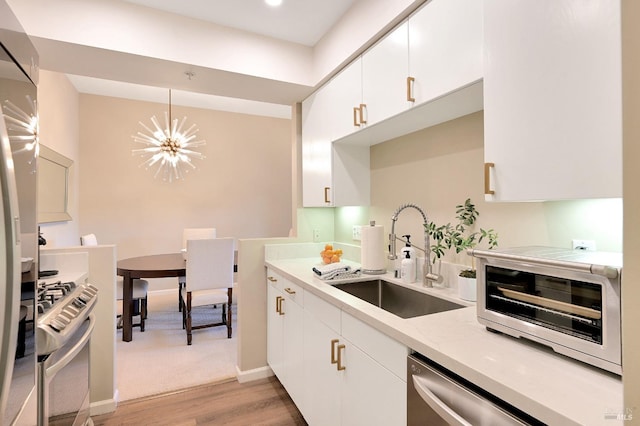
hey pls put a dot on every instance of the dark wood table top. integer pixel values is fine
(153, 266)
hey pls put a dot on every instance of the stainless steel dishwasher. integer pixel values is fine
(436, 396)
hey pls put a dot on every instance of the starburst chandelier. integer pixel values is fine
(170, 149)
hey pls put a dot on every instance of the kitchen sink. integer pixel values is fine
(398, 300)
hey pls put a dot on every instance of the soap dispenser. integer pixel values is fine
(408, 268)
(408, 249)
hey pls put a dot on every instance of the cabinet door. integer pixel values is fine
(316, 150)
(293, 350)
(345, 95)
(445, 47)
(371, 394)
(552, 95)
(275, 356)
(385, 68)
(322, 392)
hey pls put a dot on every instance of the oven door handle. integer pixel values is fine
(71, 353)
(436, 404)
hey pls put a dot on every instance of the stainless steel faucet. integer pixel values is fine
(428, 277)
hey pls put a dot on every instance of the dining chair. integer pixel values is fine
(140, 287)
(192, 234)
(209, 281)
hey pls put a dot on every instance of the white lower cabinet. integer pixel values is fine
(343, 385)
(285, 334)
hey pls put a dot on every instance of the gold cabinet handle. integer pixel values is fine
(355, 117)
(290, 291)
(410, 81)
(487, 178)
(278, 298)
(339, 360)
(362, 109)
(273, 280)
(280, 306)
(326, 194)
(334, 360)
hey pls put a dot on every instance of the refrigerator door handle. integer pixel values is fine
(436, 404)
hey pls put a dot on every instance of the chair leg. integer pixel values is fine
(143, 312)
(229, 294)
(188, 309)
(179, 296)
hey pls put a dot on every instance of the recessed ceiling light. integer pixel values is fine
(273, 3)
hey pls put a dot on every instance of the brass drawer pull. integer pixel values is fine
(362, 108)
(355, 117)
(339, 361)
(410, 81)
(278, 298)
(288, 290)
(273, 280)
(326, 194)
(280, 306)
(487, 178)
(334, 360)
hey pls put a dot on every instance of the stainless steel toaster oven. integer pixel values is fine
(566, 299)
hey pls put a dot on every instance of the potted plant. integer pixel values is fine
(460, 238)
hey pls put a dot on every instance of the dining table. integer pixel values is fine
(151, 266)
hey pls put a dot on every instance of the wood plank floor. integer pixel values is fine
(259, 402)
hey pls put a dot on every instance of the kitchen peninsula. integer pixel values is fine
(550, 387)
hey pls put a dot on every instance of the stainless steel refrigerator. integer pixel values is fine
(18, 223)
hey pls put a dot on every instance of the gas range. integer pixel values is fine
(62, 308)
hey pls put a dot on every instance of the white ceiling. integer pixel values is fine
(302, 22)
(298, 21)
(245, 56)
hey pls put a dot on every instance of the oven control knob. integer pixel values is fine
(57, 325)
(79, 303)
(85, 297)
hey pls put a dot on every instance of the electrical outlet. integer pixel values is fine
(316, 235)
(583, 244)
(357, 230)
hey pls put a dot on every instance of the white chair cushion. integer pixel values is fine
(206, 297)
(140, 288)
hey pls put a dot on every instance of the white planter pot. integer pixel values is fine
(467, 288)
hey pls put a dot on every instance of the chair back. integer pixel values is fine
(88, 240)
(197, 234)
(209, 263)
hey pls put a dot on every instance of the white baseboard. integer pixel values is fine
(255, 374)
(104, 407)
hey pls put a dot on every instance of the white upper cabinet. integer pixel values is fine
(385, 68)
(316, 151)
(552, 99)
(445, 47)
(346, 111)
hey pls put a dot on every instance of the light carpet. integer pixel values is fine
(159, 360)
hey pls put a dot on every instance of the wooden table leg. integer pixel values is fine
(127, 307)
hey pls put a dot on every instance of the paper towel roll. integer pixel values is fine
(372, 256)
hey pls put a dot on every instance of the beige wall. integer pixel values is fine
(59, 114)
(242, 187)
(439, 167)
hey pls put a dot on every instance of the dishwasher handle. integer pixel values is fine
(436, 404)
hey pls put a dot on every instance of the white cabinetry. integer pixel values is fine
(445, 47)
(350, 382)
(552, 94)
(435, 57)
(285, 334)
(385, 68)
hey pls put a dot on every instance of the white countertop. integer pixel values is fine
(553, 388)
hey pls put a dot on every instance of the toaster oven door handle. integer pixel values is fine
(436, 404)
(604, 271)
